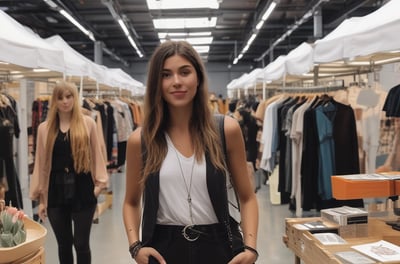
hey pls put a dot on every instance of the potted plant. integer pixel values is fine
(20, 236)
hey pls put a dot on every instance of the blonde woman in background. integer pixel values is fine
(69, 173)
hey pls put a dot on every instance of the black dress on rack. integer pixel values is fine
(13, 194)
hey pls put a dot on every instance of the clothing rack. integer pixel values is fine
(322, 87)
(101, 93)
(314, 89)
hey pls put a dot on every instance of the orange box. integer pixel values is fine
(343, 189)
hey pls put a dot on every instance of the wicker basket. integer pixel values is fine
(35, 238)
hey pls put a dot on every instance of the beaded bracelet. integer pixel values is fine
(134, 248)
(253, 250)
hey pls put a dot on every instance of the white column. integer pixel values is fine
(22, 142)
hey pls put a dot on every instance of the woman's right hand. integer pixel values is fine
(42, 212)
(145, 253)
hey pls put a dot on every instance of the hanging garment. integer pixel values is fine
(13, 194)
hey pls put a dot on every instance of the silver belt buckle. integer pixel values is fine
(189, 237)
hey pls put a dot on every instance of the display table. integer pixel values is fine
(309, 250)
(106, 204)
(37, 257)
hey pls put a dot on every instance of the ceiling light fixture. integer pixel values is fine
(202, 49)
(192, 41)
(71, 19)
(122, 21)
(293, 27)
(200, 40)
(53, 5)
(77, 24)
(268, 11)
(178, 4)
(182, 23)
(171, 35)
(123, 26)
(40, 70)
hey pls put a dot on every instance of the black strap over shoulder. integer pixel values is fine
(144, 149)
(220, 122)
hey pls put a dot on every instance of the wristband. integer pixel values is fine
(134, 248)
(253, 250)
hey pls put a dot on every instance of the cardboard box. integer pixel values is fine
(345, 215)
(353, 231)
(344, 188)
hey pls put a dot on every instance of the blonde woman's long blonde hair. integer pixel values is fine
(205, 135)
(78, 134)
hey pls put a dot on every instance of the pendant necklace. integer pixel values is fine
(189, 198)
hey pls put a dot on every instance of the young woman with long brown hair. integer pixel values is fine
(181, 174)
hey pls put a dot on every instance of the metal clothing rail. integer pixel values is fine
(328, 86)
(314, 89)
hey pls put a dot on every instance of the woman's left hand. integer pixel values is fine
(245, 257)
(97, 191)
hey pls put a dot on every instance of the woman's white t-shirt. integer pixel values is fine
(173, 198)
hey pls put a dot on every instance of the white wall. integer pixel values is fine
(389, 76)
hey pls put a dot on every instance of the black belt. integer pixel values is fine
(192, 232)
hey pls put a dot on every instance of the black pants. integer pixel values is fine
(78, 235)
(211, 247)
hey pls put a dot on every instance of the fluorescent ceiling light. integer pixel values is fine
(202, 49)
(269, 11)
(252, 38)
(88, 33)
(179, 23)
(123, 26)
(76, 23)
(51, 3)
(40, 70)
(132, 42)
(260, 24)
(198, 34)
(196, 41)
(199, 49)
(163, 35)
(135, 46)
(178, 4)
(200, 41)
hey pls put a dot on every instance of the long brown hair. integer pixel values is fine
(78, 133)
(202, 125)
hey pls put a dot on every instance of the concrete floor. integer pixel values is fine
(109, 243)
